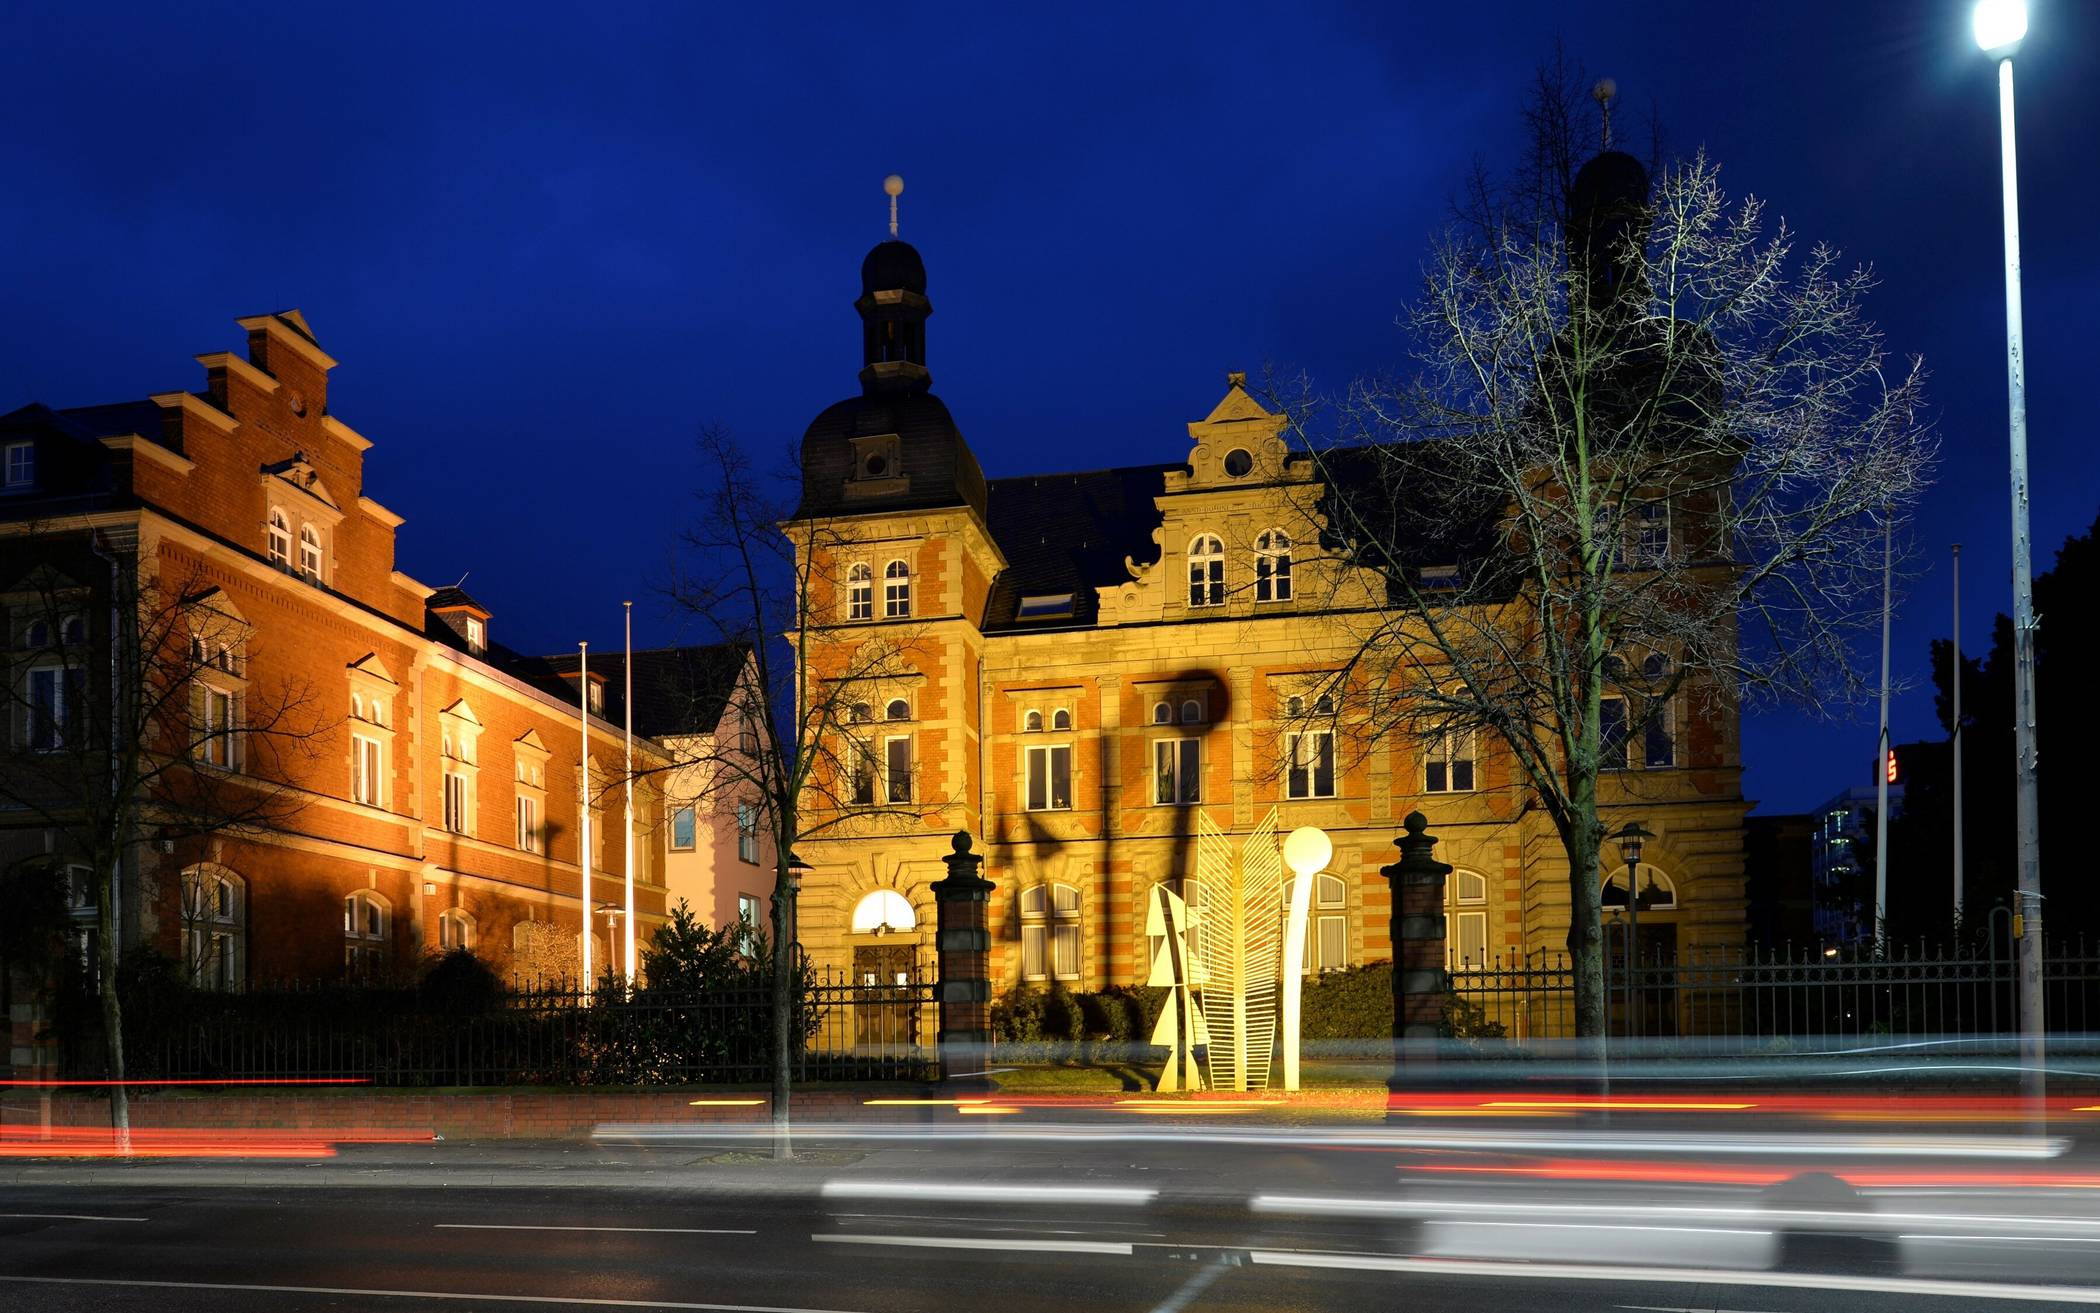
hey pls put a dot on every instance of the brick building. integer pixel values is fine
(425, 778)
(1088, 669)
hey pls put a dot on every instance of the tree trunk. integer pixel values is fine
(1586, 916)
(112, 1008)
(783, 1004)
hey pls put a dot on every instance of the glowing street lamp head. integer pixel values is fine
(1307, 850)
(1999, 25)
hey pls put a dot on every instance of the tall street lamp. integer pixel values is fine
(2000, 25)
(1630, 837)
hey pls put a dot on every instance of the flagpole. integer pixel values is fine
(583, 753)
(1955, 678)
(627, 699)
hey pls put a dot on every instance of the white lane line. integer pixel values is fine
(638, 1230)
(2009, 1239)
(479, 1297)
(73, 1217)
(1452, 1267)
(1020, 1192)
(1835, 1219)
(981, 1242)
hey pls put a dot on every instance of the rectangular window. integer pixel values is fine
(1469, 940)
(55, 694)
(747, 915)
(1035, 941)
(684, 828)
(896, 768)
(21, 464)
(1650, 545)
(1177, 768)
(528, 824)
(1611, 734)
(455, 802)
(1658, 741)
(1064, 950)
(1311, 764)
(220, 744)
(747, 832)
(1050, 778)
(1331, 943)
(367, 773)
(860, 769)
(477, 635)
(1449, 762)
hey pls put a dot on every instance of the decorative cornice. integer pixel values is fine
(234, 364)
(192, 404)
(280, 331)
(138, 446)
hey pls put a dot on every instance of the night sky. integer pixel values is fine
(548, 243)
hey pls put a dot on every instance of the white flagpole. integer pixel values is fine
(1956, 681)
(583, 848)
(627, 947)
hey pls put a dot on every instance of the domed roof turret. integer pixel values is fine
(893, 266)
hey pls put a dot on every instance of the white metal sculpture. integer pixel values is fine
(1238, 933)
(1181, 1028)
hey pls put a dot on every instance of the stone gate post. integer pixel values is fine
(1419, 979)
(963, 949)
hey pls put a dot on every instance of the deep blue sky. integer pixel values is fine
(549, 242)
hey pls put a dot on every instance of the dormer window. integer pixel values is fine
(21, 466)
(1206, 571)
(280, 539)
(594, 697)
(310, 553)
(477, 635)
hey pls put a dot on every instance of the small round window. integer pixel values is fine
(876, 465)
(1238, 462)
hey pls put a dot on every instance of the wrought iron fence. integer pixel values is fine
(1741, 1000)
(557, 1036)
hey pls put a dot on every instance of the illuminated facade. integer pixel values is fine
(1100, 664)
(433, 799)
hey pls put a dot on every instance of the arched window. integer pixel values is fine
(1294, 706)
(1032, 723)
(860, 592)
(38, 636)
(1050, 932)
(1272, 567)
(1060, 719)
(1192, 712)
(1323, 705)
(455, 931)
(1206, 571)
(1162, 713)
(309, 553)
(884, 912)
(1658, 893)
(367, 928)
(280, 540)
(1467, 946)
(858, 714)
(72, 631)
(898, 709)
(896, 590)
(214, 928)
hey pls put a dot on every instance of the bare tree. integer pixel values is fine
(131, 717)
(1643, 460)
(801, 716)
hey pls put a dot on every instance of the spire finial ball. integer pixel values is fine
(893, 185)
(1605, 90)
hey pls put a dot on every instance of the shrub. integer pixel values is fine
(459, 982)
(1353, 1003)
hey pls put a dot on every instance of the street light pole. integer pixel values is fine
(2000, 25)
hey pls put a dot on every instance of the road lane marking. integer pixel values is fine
(73, 1217)
(483, 1297)
(978, 1242)
(1451, 1267)
(642, 1230)
(1019, 1192)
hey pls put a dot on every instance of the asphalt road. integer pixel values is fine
(1038, 1229)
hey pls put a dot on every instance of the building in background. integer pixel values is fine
(433, 788)
(1842, 864)
(1779, 871)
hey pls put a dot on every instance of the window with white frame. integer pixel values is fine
(860, 592)
(685, 827)
(1162, 713)
(1192, 711)
(367, 770)
(1272, 567)
(459, 758)
(1177, 769)
(1206, 571)
(528, 768)
(1309, 763)
(1050, 932)
(528, 818)
(1648, 534)
(1032, 722)
(748, 918)
(477, 635)
(1467, 944)
(896, 590)
(280, 539)
(21, 466)
(56, 702)
(1447, 762)
(367, 927)
(1327, 922)
(458, 797)
(1049, 777)
(310, 553)
(214, 916)
(455, 931)
(747, 832)
(218, 726)
(1061, 719)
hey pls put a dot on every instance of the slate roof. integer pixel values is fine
(452, 596)
(677, 690)
(1070, 533)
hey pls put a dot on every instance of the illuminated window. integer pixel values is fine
(214, 916)
(684, 829)
(1272, 567)
(1206, 571)
(1658, 892)
(860, 592)
(477, 635)
(367, 926)
(455, 931)
(310, 553)
(1050, 932)
(1448, 762)
(896, 590)
(883, 912)
(1468, 942)
(280, 540)
(1177, 772)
